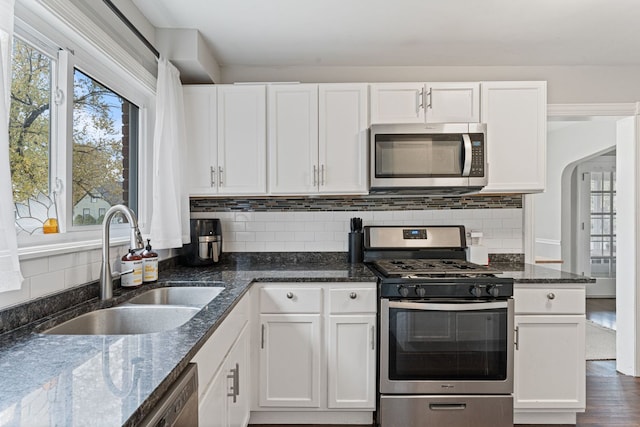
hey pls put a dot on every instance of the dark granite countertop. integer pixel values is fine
(52, 380)
(531, 273)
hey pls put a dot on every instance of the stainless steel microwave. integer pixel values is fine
(428, 158)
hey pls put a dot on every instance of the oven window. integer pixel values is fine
(418, 156)
(448, 345)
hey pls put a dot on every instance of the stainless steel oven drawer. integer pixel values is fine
(439, 411)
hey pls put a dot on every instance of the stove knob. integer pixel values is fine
(493, 290)
(476, 291)
(421, 292)
(403, 291)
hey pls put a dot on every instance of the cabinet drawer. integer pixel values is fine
(290, 300)
(549, 301)
(352, 300)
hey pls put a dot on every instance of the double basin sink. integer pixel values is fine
(156, 310)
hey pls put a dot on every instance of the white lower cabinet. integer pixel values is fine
(315, 351)
(224, 372)
(352, 357)
(290, 360)
(549, 386)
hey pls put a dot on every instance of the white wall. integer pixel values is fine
(567, 143)
(565, 85)
(327, 231)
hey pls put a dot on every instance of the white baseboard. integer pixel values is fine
(544, 417)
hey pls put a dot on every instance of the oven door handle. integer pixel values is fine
(471, 306)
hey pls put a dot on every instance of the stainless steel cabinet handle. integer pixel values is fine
(262, 337)
(516, 340)
(430, 96)
(420, 100)
(353, 295)
(213, 176)
(234, 389)
(373, 337)
(290, 295)
(321, 174)
(551, 295)
(220, 175)
(315, 175)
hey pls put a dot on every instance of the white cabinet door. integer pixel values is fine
(200, 126)
(343, 138)
(453, 103)
(549, 362)
(238, 374)
(352, 362)
(212, 407)
(397, 103)
(516, 118)
(290, 360)
(242, 147)
(293, 138)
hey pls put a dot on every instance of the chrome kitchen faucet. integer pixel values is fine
(136, 242)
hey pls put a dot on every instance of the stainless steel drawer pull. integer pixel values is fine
(516, 340)
(353, 295)
(373, 337)
(262, 337)
(447, 406)
(213, 176)
(551, 295)
(290, 295)
(234, 389)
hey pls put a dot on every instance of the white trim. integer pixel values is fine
(554, 242)
(528, 228)
(586, 110)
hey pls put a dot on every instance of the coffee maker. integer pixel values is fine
(206, 242)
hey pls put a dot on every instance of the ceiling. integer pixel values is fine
(408, 32)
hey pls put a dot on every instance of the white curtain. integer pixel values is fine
(10, 276)
(170, 217)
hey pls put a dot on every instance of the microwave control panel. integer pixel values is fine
(477, 155)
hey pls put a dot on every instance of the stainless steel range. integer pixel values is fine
(446, 330)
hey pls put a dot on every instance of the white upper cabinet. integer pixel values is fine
(425, 102)
(242, 145)
(226, 139)
(516, 118)
(293, 138)
(201, 151)
(343, 125)
(317, 138)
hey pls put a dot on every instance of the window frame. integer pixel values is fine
(79, 53)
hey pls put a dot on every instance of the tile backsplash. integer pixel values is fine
(327, 231)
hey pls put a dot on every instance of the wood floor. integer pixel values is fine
(613, 399)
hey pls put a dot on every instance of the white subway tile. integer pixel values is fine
(275, 226)
(19, 296)
(265, 236)
(243, 216)
(323, 236)
(294, 226)
(284, 236)
(255, 246)
(294, 246)
(78, 275)
(314, 226)
(274, 246)
(237, 226)
(336, 226)
(303, 236)
(322, 246)
(61, 262)
(34, 267)
(323, 216)
(44, 284)
(256, 226)
(233, 246)
(382, 216)
(245, 236)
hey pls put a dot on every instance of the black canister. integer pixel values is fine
(355, 247)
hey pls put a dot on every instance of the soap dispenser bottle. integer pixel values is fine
(149, 264)
(132, 270)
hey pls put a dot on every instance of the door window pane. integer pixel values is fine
(603, 224)
(104, 150)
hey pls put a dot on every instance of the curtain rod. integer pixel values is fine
(132, 27)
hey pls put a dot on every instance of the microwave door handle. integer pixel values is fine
(447, 307)
(466, 168)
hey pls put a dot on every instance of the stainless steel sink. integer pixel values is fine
(126, 320)
(190, 296)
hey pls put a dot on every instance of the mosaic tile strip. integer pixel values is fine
(363, 203)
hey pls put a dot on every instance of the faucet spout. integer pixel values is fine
(136, 242)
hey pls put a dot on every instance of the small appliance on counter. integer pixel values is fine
(206, 243)
(476, 252)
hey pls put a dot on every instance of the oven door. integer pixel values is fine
(446, 347)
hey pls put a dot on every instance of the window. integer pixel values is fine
(603, 224)
(30, 121)
(75, 125)
(104, 149)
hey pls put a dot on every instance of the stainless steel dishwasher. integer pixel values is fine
(179, 406)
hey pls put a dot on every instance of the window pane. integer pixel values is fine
(596, 202)
(596, 225)
(596, 181)
(104, 150)
(29, 121)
